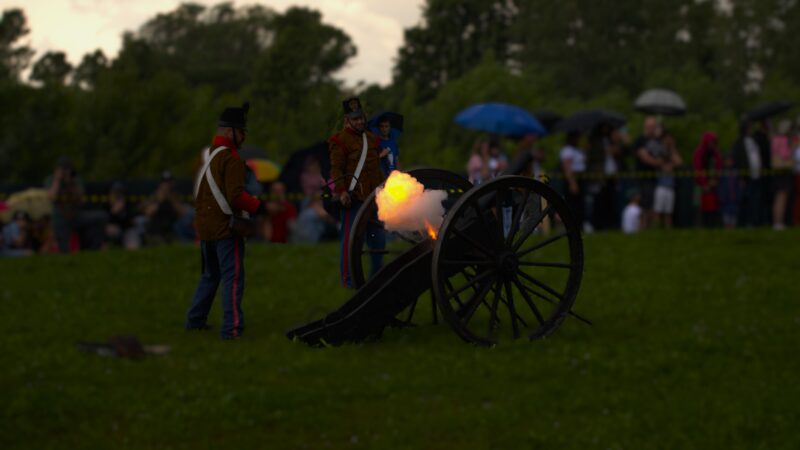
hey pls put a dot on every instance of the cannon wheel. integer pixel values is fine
(493, 265)
(359, 254)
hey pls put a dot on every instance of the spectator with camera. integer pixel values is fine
(73, 226)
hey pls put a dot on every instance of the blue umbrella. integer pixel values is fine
(500, 118)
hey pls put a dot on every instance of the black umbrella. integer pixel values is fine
(290, 175)
(547, 118)
(585, 120)
(768, 110)
(661, 101)
(395, 120)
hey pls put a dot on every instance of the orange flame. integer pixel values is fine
(405, 205)
(398, 192)
(431, 230)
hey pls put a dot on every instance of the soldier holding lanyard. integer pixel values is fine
(356, 171)
(220, 203)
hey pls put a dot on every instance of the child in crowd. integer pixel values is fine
(281, 214)
(390, 151)
(632, 214)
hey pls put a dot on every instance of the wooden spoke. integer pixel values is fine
(531, 225)
(452, 262)
(517, 217)
(470, 283)
(411, 311)
(541, 285)
(572, 313)
(511, 310)
(370, 251)
(473, 303)
(521, 320)
(523, 290)
(544, 243)
(457, 298)
(469, 277)
(475, 244)
(493, 309)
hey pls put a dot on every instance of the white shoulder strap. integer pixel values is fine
(221, 201)
(360, 165)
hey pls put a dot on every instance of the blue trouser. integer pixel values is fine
(375, 239)
(223, 261)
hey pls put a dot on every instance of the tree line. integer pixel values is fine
(152, 106)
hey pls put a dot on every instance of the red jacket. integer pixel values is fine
(345, 151)
(707, 158)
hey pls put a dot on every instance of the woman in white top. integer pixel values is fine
(573, 164)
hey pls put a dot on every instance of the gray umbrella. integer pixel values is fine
(661, 101)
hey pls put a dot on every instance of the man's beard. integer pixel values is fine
(356, 128)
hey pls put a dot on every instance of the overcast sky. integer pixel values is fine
(80, 26)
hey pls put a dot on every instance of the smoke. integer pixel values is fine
(405, 205)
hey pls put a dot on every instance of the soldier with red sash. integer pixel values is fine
(356, 172)
(220, 200)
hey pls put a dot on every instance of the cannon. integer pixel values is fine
(506, 262)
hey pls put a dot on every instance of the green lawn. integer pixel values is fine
(695, 346)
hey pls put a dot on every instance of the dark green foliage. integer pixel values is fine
(51, 68)
(694, 347)
(88, 71)
(39, 128)
(14, 58)
(153, 106)
(454, 36)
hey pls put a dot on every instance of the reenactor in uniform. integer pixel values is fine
(356, 172)
(220, 200)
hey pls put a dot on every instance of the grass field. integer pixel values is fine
(695, 346)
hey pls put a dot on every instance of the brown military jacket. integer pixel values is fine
(228, 170)
(345, 151)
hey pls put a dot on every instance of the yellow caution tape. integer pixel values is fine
(543, 177)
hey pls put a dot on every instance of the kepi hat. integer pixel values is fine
(234, 117)
(352, 108)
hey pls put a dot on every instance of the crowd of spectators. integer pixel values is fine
(614, 182)
(609, 180)
(119, 219)
(72, 223)
(755, 183)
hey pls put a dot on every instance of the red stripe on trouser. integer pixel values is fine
(345, 252)
(235, 283)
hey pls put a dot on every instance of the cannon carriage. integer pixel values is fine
(506, 262)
